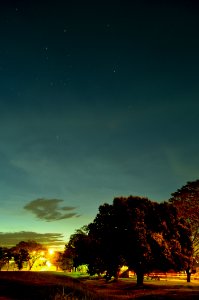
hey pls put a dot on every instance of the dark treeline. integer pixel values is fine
(27, 253)
(141, 234)
(133, 231)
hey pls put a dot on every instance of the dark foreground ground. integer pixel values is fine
(58, 286)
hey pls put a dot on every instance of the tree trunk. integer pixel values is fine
(116, 276)
(140, 278)
(188, 272)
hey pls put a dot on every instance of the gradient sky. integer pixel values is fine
(98, 99)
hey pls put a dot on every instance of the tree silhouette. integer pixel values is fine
(21, 256)
(76, 251)
(186, 200)
(33, 249)
(143, 234)
(5, 256)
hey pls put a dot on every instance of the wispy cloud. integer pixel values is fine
(10, 239)
(49, 209)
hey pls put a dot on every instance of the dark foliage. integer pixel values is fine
(186, 200)
(136, 232)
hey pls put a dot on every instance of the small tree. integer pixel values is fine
(56, 259)
(20, 256)
(66, 262)
(2, 260)
(5, 256)
(34, 250)
(76, 251)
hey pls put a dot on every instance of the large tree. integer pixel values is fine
(143, 234)
(186, 200)
(106, 242)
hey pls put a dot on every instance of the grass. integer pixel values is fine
(42, 286)
(59, 286)
(127, 289)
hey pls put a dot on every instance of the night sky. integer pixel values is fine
(98, 99)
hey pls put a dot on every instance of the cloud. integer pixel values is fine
(10, 239)
(49, 210)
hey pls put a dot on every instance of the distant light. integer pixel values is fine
(48, 264)
(51, 251)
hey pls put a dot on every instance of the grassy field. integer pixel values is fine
(59, 286)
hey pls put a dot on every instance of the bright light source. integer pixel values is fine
(51, 251)
(48, 264)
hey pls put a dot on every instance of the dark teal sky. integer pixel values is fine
(98, 99)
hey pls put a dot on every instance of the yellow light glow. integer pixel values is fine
(51, 251)
(48, 264)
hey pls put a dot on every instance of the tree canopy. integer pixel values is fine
(28, 251)
(137, 232)
(186, 200)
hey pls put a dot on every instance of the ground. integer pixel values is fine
(54, 286)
